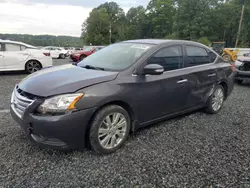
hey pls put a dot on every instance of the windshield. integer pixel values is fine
(88, 48)
(116, 57)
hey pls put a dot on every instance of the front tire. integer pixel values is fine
(216, 100)
(109, 129)
(32, 66)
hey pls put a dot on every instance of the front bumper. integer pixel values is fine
(59, 132)
(242, 75)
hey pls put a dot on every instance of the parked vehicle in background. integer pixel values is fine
(121, 88)
(79, 49)
(227, 54)
(20, 56)
(63, 51)
(243, 69)
(80, 55)
(55, 52)
(70, 50)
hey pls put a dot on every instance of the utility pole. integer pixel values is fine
(110, 33)
(240, 25)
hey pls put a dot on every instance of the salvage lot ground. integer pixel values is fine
(196, 150)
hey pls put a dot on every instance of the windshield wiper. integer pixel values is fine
(92, 67)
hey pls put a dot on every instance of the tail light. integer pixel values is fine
(46, 54)
(232, 66)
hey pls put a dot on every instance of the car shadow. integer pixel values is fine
(14, 73)
(160, 122)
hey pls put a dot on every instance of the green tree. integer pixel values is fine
(136, 19)
(96, 28)
(161, 13)
(105, 24)
(192, 20)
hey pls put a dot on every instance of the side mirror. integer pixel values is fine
(153, 69)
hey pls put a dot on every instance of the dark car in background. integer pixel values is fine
(120, 89)
(243, 69)
(80, 55)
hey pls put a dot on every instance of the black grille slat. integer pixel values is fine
(20, 107)
(22, 103)
(25, 94)
(19, 111)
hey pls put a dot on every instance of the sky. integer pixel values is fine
(55, 17)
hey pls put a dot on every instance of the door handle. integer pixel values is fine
(211, 75)
(182, 81)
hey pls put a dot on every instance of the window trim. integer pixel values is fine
(169, 46)
(186, 56)
(23, 46)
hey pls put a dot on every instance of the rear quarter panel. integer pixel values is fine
(225, 75)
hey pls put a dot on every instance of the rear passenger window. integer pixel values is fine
(12, 47)
(196, 56)
(23, 47)
(212, 56)
(171, 58)
(1, 47)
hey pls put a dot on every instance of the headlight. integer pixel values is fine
(59, 104)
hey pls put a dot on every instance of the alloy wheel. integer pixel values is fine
(33, 66)
(218, 98)
(112, 130)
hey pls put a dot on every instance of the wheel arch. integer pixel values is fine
(225, 86)
(120, 103)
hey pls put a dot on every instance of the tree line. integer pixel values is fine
(45, 40)
(205, 21)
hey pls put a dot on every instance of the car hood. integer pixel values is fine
(244, 59)
(63, 79)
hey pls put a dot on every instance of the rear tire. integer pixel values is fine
(216, 100)
(109, 129)
(33, 66)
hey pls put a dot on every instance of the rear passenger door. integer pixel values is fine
(202, 73)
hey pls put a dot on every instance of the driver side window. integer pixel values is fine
(171, 58)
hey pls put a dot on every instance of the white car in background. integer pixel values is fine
(55, 52)
(20, 56)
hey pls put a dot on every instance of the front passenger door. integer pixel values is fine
(168, 93)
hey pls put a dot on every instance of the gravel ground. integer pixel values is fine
(196, 150)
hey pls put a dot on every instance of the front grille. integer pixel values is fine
(246, 66)
(19, 102)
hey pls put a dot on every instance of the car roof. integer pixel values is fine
(163, 41)
(16, 42)
(148, 41)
